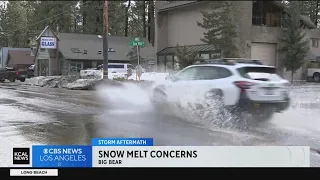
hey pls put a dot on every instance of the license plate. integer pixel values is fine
(22, 75)
(269, 92)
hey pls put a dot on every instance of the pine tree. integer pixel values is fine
(185, 57)
(294, 45)
(220, 28)
(133, 56)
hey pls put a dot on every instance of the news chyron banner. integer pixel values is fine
(140, 152)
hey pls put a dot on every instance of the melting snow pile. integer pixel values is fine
(69, 82)
(152, 76)
(52, 81)
(82, 84)
(89, 79)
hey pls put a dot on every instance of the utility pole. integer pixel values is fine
(105, 40)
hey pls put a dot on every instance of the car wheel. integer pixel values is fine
(12, 79)
(215, 96)
(2, 80)
(214, 110)
(159, 97)
(22, 79)
(316, 77)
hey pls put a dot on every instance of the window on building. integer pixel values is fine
(161, 63)
(204, 55)
(169, 62)
(315, 43)
(76, 66)
(265, 13)
(42, 50)
(215, 55)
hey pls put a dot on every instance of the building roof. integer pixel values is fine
(194, 48)
(42, 33)
(20, 57)
(4, 54)
(175, 4)
(73, 46)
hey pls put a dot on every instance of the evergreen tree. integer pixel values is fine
(185, 57)
(220, 28)
(293, 44)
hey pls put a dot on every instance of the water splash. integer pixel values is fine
(125, 99)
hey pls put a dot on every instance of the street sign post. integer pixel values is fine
(138, 43)
(138, 72)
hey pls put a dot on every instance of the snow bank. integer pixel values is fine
(83, 84)
(90, 79)
(51, 81)
(152, 76)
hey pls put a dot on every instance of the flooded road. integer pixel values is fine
(35, 115)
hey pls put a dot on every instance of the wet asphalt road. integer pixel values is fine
(35, 115)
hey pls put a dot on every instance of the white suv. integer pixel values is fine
(247, 85)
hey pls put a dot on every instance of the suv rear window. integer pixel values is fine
(259, 73)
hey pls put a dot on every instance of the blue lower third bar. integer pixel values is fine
(122, 142)
(61, 156)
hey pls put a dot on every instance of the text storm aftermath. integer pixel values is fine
(118, 156)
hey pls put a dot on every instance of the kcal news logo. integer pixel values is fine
(21, 155)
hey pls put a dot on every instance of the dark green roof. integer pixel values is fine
(194, 48)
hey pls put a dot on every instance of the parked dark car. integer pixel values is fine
(11, 74)
(31, 71)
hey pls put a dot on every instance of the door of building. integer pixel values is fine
(43, 67)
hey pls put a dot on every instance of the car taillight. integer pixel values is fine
(243, 85)
(17, 73)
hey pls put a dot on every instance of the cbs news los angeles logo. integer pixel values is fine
(21, 155)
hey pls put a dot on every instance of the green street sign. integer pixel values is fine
(137, 42)
(141, 43)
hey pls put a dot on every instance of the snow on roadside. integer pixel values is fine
(51, 81)
(150, 76)
(82, 84)
(87, 81)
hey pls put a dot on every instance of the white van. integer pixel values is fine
(117, 67)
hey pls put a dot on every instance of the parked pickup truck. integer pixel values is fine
(11, 75)
(313, 71)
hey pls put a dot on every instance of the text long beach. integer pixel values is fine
(123, 142)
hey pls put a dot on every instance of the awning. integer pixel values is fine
(193, 48)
